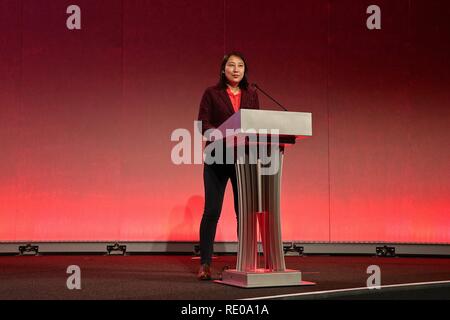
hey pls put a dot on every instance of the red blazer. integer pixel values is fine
(216, 106)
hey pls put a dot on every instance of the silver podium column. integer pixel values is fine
(259, 204)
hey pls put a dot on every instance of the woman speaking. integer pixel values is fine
(218, 104)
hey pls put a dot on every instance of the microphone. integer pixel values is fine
(267, 95)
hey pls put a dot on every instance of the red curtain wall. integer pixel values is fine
(86, 116)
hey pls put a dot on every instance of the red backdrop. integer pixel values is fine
(86, 116)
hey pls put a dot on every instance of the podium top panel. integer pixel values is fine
(287, 123)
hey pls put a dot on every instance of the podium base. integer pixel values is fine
(263, 278)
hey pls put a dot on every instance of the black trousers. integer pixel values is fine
(215, 178)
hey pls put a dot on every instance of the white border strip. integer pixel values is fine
(9, 247)
(349, 289)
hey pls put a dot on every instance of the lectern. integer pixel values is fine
(259, 194)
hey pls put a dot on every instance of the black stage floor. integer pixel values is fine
(173, 277)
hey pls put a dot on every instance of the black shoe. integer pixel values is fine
(205, 272)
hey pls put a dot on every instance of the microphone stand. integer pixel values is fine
(267, 95)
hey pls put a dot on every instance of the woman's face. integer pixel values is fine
(234, 70)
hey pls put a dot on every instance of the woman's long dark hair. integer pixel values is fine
(223, 79)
